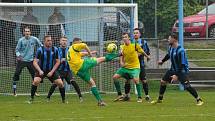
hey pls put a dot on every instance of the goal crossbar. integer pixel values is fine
(68, 4)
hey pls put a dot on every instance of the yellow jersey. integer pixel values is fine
(130, 55)
(74, 56)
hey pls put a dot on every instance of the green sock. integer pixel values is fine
(138, 86)
(110, 56)
(96, 93)
(117, 86)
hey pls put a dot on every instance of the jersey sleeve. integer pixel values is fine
(139, 49)
(18, 46)
(38, 53)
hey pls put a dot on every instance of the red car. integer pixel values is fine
(195, 25)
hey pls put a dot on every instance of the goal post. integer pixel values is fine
(95, 23)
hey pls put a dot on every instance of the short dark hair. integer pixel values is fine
(76, 39)
(46, 36)
(174, 35)
(136, 29)
(124, 33)
(26, 27)
(63, 37)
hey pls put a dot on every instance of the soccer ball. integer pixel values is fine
(111, 48)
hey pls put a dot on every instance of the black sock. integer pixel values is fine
(33, 90)
(127, 88)
(192, 91)
(14, 87)
(51, 90)
(62, 93)
(162, 91)
(146, 88)
(77, 89)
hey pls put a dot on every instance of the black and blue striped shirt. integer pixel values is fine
(47, 57)
(62, 53)
(145, 47)
(179, 62)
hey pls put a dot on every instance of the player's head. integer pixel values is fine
(76, 40)
(63, 41)
(126, 38)
(173, 38)
(47, 40)
(137, 33)
(27, 31)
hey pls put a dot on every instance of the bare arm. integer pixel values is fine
(37, 67)
(57, 64)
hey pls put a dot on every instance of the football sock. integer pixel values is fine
(138, 86)
(62, 93)
(14, 87)
(117, 86)
(192, 91)
(77, 89)
(162, 90)
(33, 90)
(127, 88)
(51, 91)
(146, 88)
(96, 93)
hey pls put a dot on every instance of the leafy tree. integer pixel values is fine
(167, 14)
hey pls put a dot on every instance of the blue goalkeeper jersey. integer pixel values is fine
(25, 47)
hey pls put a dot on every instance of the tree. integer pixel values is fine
(167, 14)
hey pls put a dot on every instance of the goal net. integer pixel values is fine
(95, 24)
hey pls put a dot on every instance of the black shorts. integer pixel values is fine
(67, 75)
(183, 77)
(54, 77)
(142, 73)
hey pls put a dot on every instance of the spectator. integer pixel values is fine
(56, 26)
(32, 22)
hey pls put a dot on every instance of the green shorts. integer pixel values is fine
(83, 72)
(128, 73)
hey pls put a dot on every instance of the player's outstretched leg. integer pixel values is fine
(194, 93)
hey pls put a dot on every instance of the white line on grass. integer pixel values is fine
(131, 117)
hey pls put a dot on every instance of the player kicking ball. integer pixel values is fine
(81, 66)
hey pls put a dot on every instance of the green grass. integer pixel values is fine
(177, 106)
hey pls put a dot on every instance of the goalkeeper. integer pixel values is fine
(81, 66)
(130, 65)
(24, 53)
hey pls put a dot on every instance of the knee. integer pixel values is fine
(59, 83)
(162, 82)
(36, 82)
(136, 81)
(92, 83)
(144, 81)
(186, 85)
(114, 78)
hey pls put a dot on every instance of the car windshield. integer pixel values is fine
(211, 10)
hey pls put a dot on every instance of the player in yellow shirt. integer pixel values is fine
(130, 66)
(81, 66)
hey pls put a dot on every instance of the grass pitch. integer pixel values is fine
(177, 106)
